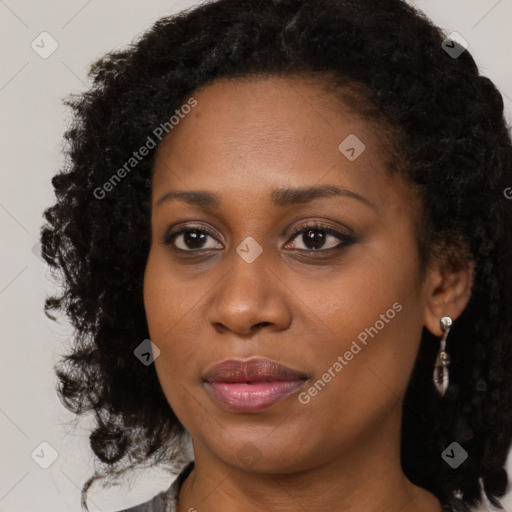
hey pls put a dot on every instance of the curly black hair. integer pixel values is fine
(451, 143)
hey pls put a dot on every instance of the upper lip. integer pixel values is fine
(251, 370)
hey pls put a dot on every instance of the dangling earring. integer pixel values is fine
(441, 376)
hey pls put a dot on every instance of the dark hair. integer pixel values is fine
(451, 143)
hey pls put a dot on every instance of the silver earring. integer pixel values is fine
(441, 375)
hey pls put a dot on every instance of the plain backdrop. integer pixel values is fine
(33, 122)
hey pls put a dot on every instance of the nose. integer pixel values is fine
(249, 297)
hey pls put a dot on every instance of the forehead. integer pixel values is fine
(252, 135)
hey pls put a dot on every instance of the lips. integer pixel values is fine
(251, 370)
(251, 385)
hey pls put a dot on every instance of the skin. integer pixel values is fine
(340, 451)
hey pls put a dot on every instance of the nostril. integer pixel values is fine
(263, 324)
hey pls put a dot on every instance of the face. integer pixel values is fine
(306, 256)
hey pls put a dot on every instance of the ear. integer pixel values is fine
(448, 292)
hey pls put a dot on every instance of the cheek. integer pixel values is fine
(167, 305)
(164, 308)
(168, 298)
(371, 316)
(171, 304)
(377, 355)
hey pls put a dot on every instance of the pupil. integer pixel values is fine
(194, 239)
(314, 238)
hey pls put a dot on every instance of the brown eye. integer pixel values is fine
(316, 237)
(192, 239)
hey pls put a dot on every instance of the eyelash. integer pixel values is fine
(345, 239)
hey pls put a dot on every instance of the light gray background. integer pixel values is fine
(33, 122)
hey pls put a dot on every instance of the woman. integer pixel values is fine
(284, 234)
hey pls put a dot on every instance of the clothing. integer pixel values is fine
(167, 501)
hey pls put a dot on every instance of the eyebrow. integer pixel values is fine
(280, 197)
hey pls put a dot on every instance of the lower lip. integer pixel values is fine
(244, 397)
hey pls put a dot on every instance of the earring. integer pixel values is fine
(441, 376)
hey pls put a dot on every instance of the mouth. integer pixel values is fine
(251, 385)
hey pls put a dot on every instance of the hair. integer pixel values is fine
(451, 143)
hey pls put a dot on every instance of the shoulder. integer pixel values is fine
(166, 501)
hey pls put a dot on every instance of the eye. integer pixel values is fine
(315, 237)
(318, 237)
(192, 238)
